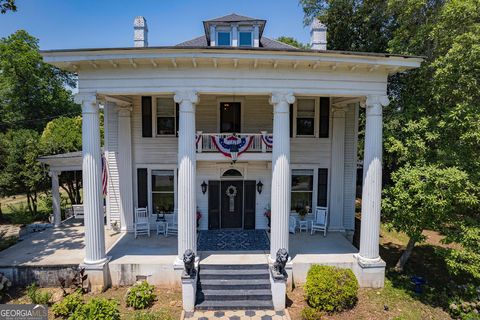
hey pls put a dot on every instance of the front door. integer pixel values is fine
(231, 195)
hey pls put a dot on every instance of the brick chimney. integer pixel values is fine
(318, 35)
(140, 32)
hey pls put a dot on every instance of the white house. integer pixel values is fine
(230, 124)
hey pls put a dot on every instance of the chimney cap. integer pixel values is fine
(140, 22)
(317, 25)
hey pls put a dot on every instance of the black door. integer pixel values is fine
(213, 205)
(231, 195)
(230, 117)
(249, 204)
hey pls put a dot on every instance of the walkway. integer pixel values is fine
(236, 315)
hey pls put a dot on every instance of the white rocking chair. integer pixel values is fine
(172, 223)
(292, 224)
(142, 225)
(321, 220)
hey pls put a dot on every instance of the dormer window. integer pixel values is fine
(245, 38)
(224, 38)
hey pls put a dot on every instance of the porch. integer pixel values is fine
(43, 256)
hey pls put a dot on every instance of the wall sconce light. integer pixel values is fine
(259, 187)
(204, 187)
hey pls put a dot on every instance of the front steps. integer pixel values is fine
(234, 287)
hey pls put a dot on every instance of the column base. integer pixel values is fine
(370, 273)
(98, 275)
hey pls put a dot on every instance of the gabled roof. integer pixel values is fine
(233, 18)
(265, 42)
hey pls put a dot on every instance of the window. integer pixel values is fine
(302, 189)
(223, 38)
(163, 191)
(306, 117)
(232, 173)
(230, 117)
(245, 39)
(165, 116)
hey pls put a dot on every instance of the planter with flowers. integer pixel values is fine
(268, 215)
(199, 216)
(302, 212)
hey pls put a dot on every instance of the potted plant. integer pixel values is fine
(268, 215)
(302, 212)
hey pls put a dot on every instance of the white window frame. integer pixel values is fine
(151, 168)
(223, 30)
(154, 117)
(314, 182)
(251, 37)
(316, 119)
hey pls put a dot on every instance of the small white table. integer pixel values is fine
(303, 225)
(162, 227)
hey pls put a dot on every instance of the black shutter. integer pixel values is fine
(322, 189)
(142, 187)
(213, 205)
(177, 118)
(249, 204)
(146, 116)
(324, 117)
(291, 120)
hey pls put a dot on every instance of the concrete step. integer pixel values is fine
(235, 305)
(262, 266)
(226, 284)
(221, 295)
(233, 271)
(221, 275)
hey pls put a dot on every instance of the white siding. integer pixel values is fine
(350, 175)
(111, 153)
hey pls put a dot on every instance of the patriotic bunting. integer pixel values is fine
(268, 140)
(232, 146)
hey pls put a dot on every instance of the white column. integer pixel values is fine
(281, 185)
(125, 167)
(337, 171)
(92, 182)
(187, 205)
(57, 215)
(234, 35)
(372, 182)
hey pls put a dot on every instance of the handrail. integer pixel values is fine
(204, 141)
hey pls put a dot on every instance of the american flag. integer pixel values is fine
(104, 175)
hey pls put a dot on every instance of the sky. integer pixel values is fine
(67, 24)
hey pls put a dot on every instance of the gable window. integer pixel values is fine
(245, 38)
(306, 117)
(302, 189)
(163, 191)
(166, 122)
(223, 38)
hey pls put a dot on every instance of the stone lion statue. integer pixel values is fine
(280, 262)
(189, 262)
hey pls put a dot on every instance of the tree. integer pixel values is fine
(293, 42)
(21, 172)
(31, 91)
(60, 136)
(426, 197)
(7, 5)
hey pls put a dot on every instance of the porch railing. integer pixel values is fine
(205, 143)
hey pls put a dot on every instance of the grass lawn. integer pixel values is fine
(397, 299)
(168, 305)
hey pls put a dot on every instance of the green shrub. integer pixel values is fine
(97, 308)
(311, 314)
(141, 295)
(331, 289)
(68, 305)
(38, 297)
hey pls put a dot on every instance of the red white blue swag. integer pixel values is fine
(268, 140)
(232, 146)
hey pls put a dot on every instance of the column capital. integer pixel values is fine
(380, 100)
(88, 101)
(54, 173)
(187, 95)
(124, 111)
(278, 97)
